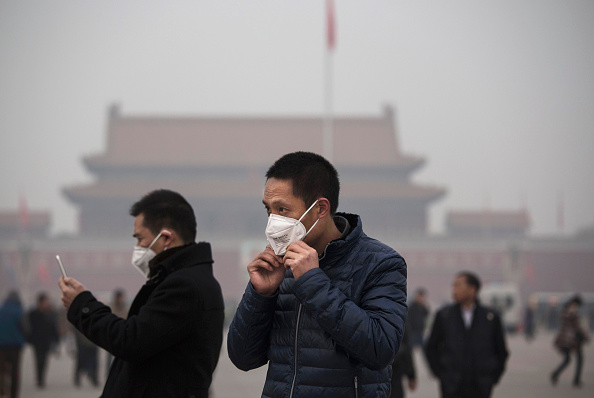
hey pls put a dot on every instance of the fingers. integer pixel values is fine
(73, 283)
(70, 288)
(299, 247)
(300, 258)
(65, 284)
(258, 264)
(267, 260)
(66, 291)
(269, 250)
(298, 250)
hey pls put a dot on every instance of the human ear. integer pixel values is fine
(168, 237)
(323, 207)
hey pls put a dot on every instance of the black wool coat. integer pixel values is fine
(455, 353)
(169, 346)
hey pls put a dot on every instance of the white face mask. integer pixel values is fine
(141, 256)
(282, 231)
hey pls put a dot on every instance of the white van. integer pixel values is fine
(503, 297)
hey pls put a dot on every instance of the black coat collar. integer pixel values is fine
(178, 258)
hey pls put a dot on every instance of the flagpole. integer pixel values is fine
(328, 118)
(328, 128)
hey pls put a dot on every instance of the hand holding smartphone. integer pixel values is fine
(61, 265)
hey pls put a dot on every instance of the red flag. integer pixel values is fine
(43, 273)
(530, 275)
(23, 213)
(330, 25)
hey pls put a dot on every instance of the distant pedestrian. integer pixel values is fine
(466, 348)
(43, 335)
(529, 322)
(119, 307)
(552, 313)
(571, 337)
(87, 358)
(403, 366)
(418, 311)
(12, 340)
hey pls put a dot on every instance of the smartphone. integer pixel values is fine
(61, 265)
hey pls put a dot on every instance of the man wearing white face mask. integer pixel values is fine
(326, 305)
(170, 343)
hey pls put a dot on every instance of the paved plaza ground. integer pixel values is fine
(526, 376)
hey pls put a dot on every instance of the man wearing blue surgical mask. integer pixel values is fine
(325, 306)
(169, 344)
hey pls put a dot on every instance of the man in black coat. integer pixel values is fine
(418, 311)
(170, 343)
(42, 334)
(403, 366)
(466, 349)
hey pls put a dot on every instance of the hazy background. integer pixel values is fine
(497, 95)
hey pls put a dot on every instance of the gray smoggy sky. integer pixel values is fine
(497, 95)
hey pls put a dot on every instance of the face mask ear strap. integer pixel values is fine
(306, 211)
(314, 224)
(154, 240)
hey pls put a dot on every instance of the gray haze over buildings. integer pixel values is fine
(497, 95)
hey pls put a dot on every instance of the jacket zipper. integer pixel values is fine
(296, 332)
(356, 388)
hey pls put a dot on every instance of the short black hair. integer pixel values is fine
(41, 297)
(13, 297)
(472, 279)
(166, 209)
(577, 299)
(312, 176)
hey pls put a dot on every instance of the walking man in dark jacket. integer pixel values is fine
(404, 366)
(42, 334)
(417, 317)
(12, 339)
(466, 349)
(326, 305)
(170, 343)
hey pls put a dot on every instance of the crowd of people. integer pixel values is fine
(325, 309)
(44, 328)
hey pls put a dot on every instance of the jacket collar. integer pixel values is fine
(178, 258)
(338, 248)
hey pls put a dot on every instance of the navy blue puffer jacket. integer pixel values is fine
(333, 333)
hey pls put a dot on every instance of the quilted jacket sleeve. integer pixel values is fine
(247, 341)
(369, 331)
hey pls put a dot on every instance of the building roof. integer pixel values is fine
(135, 141)
(15, 219)
(517, 219)
(15, 224)
(132, 190)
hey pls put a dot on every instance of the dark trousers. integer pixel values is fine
(566, 359)
(468, 388)
(86, 362)
(397, 389)
(10, 378)
(41, 355)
